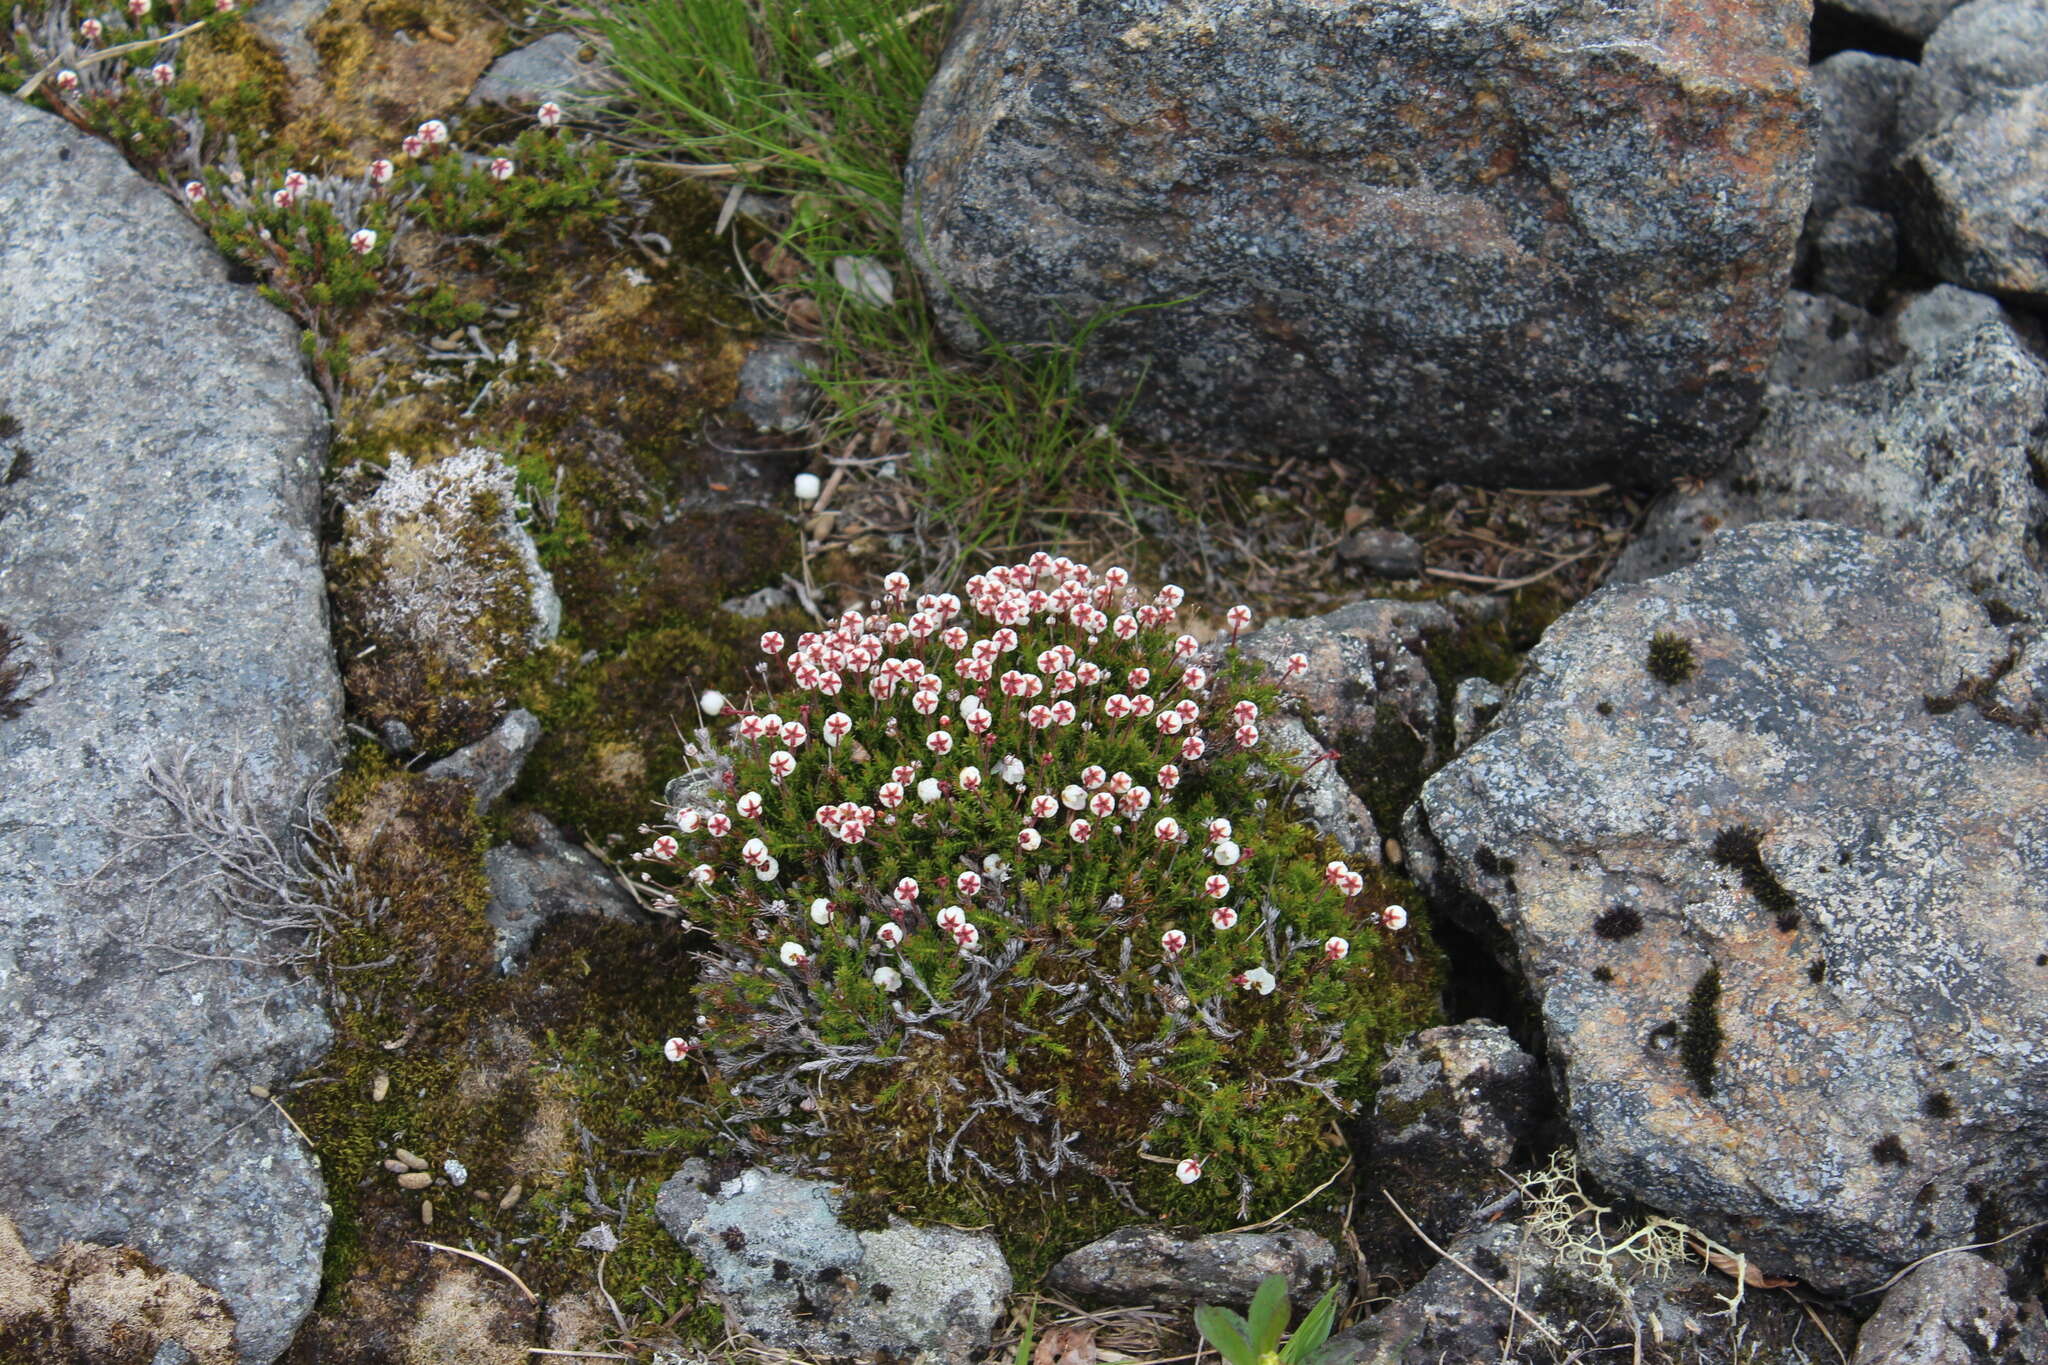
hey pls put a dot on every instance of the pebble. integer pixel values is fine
(458, 1174)
(412, 1160)
(261, 1092)
(395, 1166)
(380, 1086)
(415, 1180)
(427, 1212)
(511, 1197)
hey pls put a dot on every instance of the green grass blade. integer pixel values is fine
(1269, 1313)
(1314, 1331)
(1228, 1333)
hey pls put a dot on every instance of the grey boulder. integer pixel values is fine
(1828, 343)
(1542, 243)
(162, 549)
(1781, 914)
(550, 68)
(795, 1276)
(1142, 1265)
(776, 391)
(1856, 98)
(491, 766)
(1943, 451)
(1976, 196)
(1953, 1311)
(1984, 49)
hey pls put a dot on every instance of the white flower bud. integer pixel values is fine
(1226, 853)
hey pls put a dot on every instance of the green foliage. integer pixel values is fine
(741, 82)
(987, 945)
(1256, 1338)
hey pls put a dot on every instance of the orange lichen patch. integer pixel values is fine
(374, 86)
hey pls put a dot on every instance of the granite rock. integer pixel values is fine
(776, 392)
(1984, 49)
(550, 68)
(1907, 18)
(163, 549)
(1543, 243)
(1149, 1265)
(1976, 195)
(795, 1276)
(1455, 1103)
(1953, 1311)
(1782, 919)
(539, 875)
(1856, 98)
(1828, 343)
(1853, 254)
(491, 765)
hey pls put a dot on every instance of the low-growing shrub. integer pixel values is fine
(1007, 889)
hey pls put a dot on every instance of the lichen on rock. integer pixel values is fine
(439, 590)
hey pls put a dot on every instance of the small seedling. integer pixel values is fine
(1255, 1338)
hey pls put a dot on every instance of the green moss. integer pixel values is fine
(1671, 659)
(1699, 1045)
(1741, 847)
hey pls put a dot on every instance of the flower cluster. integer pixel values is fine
(1028, 837)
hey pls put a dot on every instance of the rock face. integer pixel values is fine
(161, 547)
(1542, 242)
(550, 68)
(1782, 916)
(1856, 96)
(1943, 450)
(1983, 49)
(1953, 1311)
(539, 875)
(1141, 1265)
(796, 1277)
(1454, 1104)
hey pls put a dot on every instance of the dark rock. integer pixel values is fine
(1674, 1313)
(1384, 554)
(1829, 343)
(1323, 796)
(1853, 254)
(541, 875)
(776, 393)
(1856, 96)
(1820, 1040)
(164, 550)
(1953, 1311)
(775, 1252)
(1976, 206)
(1544, 245)
(1148, 1265)
(1925, 323)
(1983, 49)
(550, 68)
(1454, 1104)
(1941, 451)
(1907, 18)
(1366, 692)
(491, 765)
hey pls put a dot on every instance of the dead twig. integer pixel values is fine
(482, 1259)
(1476, 1277)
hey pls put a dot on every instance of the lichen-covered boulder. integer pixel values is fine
(1977, 196)
(1154, 1266)
(438, 589)
(1953, 1311)
(776, 1252)
(1984, 49)
(1779, 902)
(1542, 241)
(158, 550)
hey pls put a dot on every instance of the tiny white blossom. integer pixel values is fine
(889, 979)
(793, 955)
(1189, 1171)
(712, 703)
(928, 790)
(1257, 979)
(1226, 853)
(821, 911)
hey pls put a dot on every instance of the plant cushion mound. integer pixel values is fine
(1007, 889)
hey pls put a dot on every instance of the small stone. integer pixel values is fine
(1384, 554)
(1453, 1104)
(415, 1180)
(1925, 323)
(776, 392)
(1153, 1266)
(551, 68)
(1856, 97)
(491, 765)
(261, 1092)
(510, 1197)
(758, 603)
(413, 1161)
(1945, 1311)
(395, 1166)
(457, 1173)
(427, 1212)
(540, 875)
(1828, 343)
(600, 1239)
(1392, 851)
(866, 279)
(1975, 194)
(1985, 49)
(380, 1086)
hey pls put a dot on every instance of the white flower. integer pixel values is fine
(711, 703)
(1225, 853)
(502, 169)
(967, 936)
(753, 852)
(67, 81)
(970, 779)
(137, 8)
(1167, 830)
(748, 806)
(1223, 917)
(1011, 769)
(163, 73)
(1218, 886)
(702, 874)
(1336, 949)
(1189, 1171)
(821, 911)
(928, 790)
(1257, 979)
(807, 487)
(362, 241)
(767, 869)
(381, 171)
(781, 763)
(91, 29)
(688, 819)
(1219, 828)
(1080, 831)
(968, 882)
(549, 115)
(433, 132)
(793, 955)
(1028, 840)
(1174, 942)
(952, 917)
(1073, 798)
(1394, 918)
(675, 1049)
(838, 726)
(890, 935)
(889, 979)
(194, 192)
